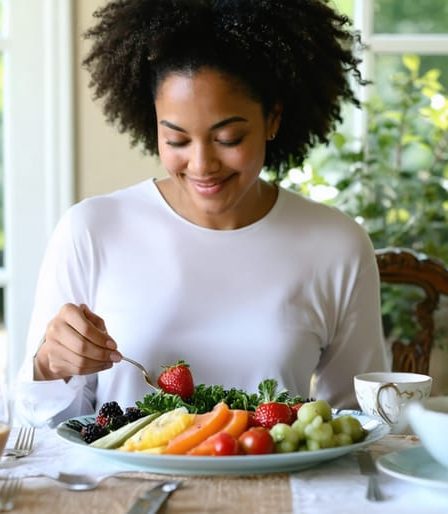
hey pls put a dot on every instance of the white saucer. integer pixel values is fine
(415, 465)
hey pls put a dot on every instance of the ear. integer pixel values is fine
(273, 121)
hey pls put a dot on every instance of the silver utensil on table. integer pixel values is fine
(82, 482)
(9, 489)
(24, 444)
(151, 501)
(368, 468)
(143, 370)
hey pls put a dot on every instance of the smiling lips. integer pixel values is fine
(208, 188)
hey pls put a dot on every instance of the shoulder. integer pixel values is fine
(315, 215)
(323, 229)
(109, 207)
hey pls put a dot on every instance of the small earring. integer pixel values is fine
(272, 136)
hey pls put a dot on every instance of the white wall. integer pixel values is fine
(105, 159)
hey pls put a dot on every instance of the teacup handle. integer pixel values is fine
(379, 406)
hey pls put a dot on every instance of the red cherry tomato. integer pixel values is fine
(256, 441)
(225, 444)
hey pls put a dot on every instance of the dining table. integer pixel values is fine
(334, 486)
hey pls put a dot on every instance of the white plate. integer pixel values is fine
(415, 465)
(234, 465)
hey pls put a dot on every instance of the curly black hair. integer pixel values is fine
(301, 53)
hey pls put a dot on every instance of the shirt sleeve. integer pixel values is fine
(358, 344)
(62, 279)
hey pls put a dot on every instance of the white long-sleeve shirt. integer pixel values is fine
(293, 296)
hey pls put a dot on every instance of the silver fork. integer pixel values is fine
(8, 491)
(368, 468)
(24, 443)
(146, 375)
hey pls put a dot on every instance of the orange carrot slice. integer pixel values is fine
(204, 426)
(235, 426)
(238, 422)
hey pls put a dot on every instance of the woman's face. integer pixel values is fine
(211, 139)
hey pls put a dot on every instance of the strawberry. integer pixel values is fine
(177, 379)
(251, 419)
(295, 408)
(270, 411)
(269, 414)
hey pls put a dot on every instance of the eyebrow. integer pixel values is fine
(222, 123)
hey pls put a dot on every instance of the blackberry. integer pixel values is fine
(133, 413)
(102, 420)
(117, 421)
(110, 410)
(92, 432)
(107, 412)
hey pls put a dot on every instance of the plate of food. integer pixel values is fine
(185, 429)
(240, 464)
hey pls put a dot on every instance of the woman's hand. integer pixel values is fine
(76, 343)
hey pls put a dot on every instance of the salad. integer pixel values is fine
(208, 420)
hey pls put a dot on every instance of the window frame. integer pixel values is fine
(38, 147)
(380, 43)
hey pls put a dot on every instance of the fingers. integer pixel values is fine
(76, 343)
(74, 321)
(93, 318)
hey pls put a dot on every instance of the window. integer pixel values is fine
(37, 178)
(394, 28)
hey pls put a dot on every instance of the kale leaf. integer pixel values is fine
(205, 397)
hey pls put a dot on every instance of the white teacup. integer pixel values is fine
(385, 394)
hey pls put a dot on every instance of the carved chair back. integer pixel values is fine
(404, 266)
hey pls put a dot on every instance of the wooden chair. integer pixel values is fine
(404, 266)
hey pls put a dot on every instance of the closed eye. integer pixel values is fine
(231, 142)
(177, 144)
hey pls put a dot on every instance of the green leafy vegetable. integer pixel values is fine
(206, 397)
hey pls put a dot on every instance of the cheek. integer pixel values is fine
(250, 161)
(171, 161)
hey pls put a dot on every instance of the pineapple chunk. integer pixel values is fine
(157, 450)
(160, 431)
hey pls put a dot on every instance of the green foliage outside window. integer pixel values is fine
(395, 182)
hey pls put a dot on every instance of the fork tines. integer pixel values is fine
(25, 439)
(23, 445)
(9, 489)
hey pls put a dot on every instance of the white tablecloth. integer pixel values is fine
(337, 487)
(52, 455)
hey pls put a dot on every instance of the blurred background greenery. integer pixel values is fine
(393, 179)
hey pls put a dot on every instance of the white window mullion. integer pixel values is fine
(38, 149)
(59, 112)
(363, 21)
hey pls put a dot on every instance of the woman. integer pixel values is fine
(243, 280)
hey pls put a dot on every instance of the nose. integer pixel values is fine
(203, 160)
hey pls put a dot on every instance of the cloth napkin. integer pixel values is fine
(52, 455)
(337, 487)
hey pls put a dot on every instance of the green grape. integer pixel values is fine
(312, 445)
(278, 432)
(283, 432)
(310, 410)
(323, 434)
(285, 447)
(315, 424)
(350, 426)
(342, 439)
(299, 428)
